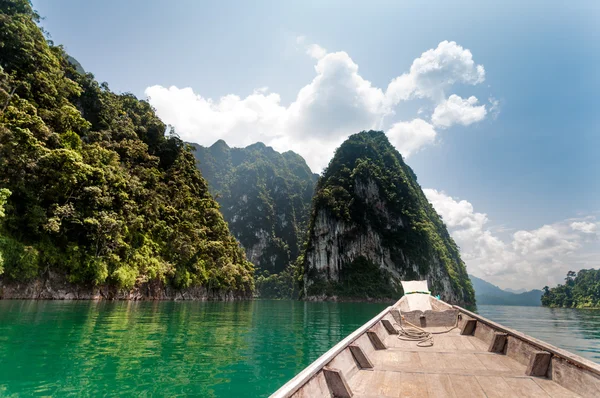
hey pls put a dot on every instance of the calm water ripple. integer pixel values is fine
(575, 330)
(54, 348)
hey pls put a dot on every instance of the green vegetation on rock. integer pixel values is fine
(372, 226)
(101, 191)
(581, 290)
(265, 196)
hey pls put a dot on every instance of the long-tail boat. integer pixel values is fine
(424, 347)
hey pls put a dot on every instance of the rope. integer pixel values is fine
(423, 337)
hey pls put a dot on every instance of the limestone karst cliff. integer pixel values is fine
(372, 226)
(265, 196)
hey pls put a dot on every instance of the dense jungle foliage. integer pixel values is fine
(420, 237)
(581, 290)
(265, 196)
(101, 190)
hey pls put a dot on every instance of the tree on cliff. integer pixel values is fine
(372, 226)
(102, 191)
(265, 197)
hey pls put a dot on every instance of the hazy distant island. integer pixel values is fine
(489, 294)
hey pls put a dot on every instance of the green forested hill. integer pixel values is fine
(265, 196)
(100, 190)
(372, 226)
(581, 290)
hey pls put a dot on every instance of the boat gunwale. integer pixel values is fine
(293, 385)
(558, 352)
(302, 378)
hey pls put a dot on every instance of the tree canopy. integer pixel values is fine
(101, 190)
(265, 196)
(581, 290)
(369, 190)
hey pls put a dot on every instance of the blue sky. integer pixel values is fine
(526, 171)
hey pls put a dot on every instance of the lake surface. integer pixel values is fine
(54, 348)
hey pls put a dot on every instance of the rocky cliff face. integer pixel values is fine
(372, 227)
(54, 286)
(265, 196)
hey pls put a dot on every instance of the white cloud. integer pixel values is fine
(409, 137)
(456, 110)
(316, 51)
(336, 103)
(584, 226)
(435, 71)
(529, 259)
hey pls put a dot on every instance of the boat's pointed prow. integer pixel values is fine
(416, 296)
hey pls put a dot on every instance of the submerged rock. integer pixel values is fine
(372, 226)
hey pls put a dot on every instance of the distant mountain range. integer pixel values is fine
(486, 293)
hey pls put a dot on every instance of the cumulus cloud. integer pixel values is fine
(527, 258)
(409, 137)
(584, 226)
(435, 71)
(336, 103)
(456, 110)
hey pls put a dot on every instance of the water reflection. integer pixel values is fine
(165, 348)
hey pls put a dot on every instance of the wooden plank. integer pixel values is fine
(478, 344)
(495, 387)
(360, 383)
(448, 371)
(492, 363)
(511, 364)
(377, 381)
(397, 316)
(538, 364)
(520, 350)
(498, 342)
(301, 378)
(569, 375)
(467, 343)
(439, 385)
(467, 386)
(412, 385)
(468, 327)
(388, 326)
(539, 344)
(553, 389)
(397, 358)
(390, 384)
(525, 387)
(315, 387)
(361, 358)
(337, 383)
(344, 361)
(375, 340)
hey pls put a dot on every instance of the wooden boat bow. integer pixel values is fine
(476, 358)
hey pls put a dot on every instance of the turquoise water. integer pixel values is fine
(574, 330)
(54, 348)
(240, 349)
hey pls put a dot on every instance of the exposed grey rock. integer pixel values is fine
(56, 287)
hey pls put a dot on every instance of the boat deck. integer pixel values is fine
(456, 366)
(475, 358)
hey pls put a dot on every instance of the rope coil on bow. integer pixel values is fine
(423, 337)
